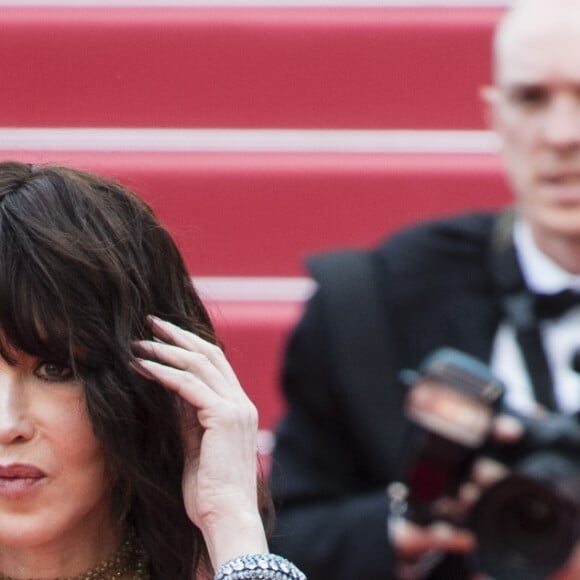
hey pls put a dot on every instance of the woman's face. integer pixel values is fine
(53, 478)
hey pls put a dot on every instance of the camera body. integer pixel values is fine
(527, 524)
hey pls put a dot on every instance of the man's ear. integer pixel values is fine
(489, 96)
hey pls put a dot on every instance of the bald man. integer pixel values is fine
(468, 282)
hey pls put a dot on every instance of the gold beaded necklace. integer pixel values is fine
(128, 562)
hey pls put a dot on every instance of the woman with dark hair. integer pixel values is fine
(127, 445)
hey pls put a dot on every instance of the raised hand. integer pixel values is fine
(220, 428)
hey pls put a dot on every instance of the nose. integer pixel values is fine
(562, 123)
(15, 423)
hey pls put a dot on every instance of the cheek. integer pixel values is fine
(84, 446)
(81, 464)
(69, 428)
(519, 152)
(519, 132)
(517, 144)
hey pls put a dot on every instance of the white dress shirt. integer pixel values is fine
(561, 336)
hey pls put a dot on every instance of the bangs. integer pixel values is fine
(46, 307)
(32, 317)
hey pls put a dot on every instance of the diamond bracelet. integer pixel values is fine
(258, 567)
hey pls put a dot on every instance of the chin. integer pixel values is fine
(35, 528)
(26, 535)
(550, 217)
(563, 224)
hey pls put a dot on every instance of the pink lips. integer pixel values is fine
(20, 470)
(19, 479)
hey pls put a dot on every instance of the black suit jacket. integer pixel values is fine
(336, 449)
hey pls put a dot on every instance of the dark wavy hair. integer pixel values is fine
(83, 261)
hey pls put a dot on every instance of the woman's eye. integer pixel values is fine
(53, 372)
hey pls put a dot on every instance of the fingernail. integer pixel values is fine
(487, 471)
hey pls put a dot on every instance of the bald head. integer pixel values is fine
(534, 108)
(534, 22)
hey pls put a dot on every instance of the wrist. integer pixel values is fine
(234, 535)
(266, 566)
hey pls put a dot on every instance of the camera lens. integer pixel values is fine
(530, 515)
(524, 529)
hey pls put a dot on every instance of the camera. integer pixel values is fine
(527, 524)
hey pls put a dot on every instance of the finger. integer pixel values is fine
(451, 539)
(185, 384)
(469, 493)
(171, 333)
(412, 540)
(507, 429)
(193, 362)
(187, 340)
(210, 406)
(487, 471)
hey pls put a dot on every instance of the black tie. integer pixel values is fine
(526, 310)
(547, 306)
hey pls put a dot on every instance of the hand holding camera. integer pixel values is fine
(524, 521)
(420, 546)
